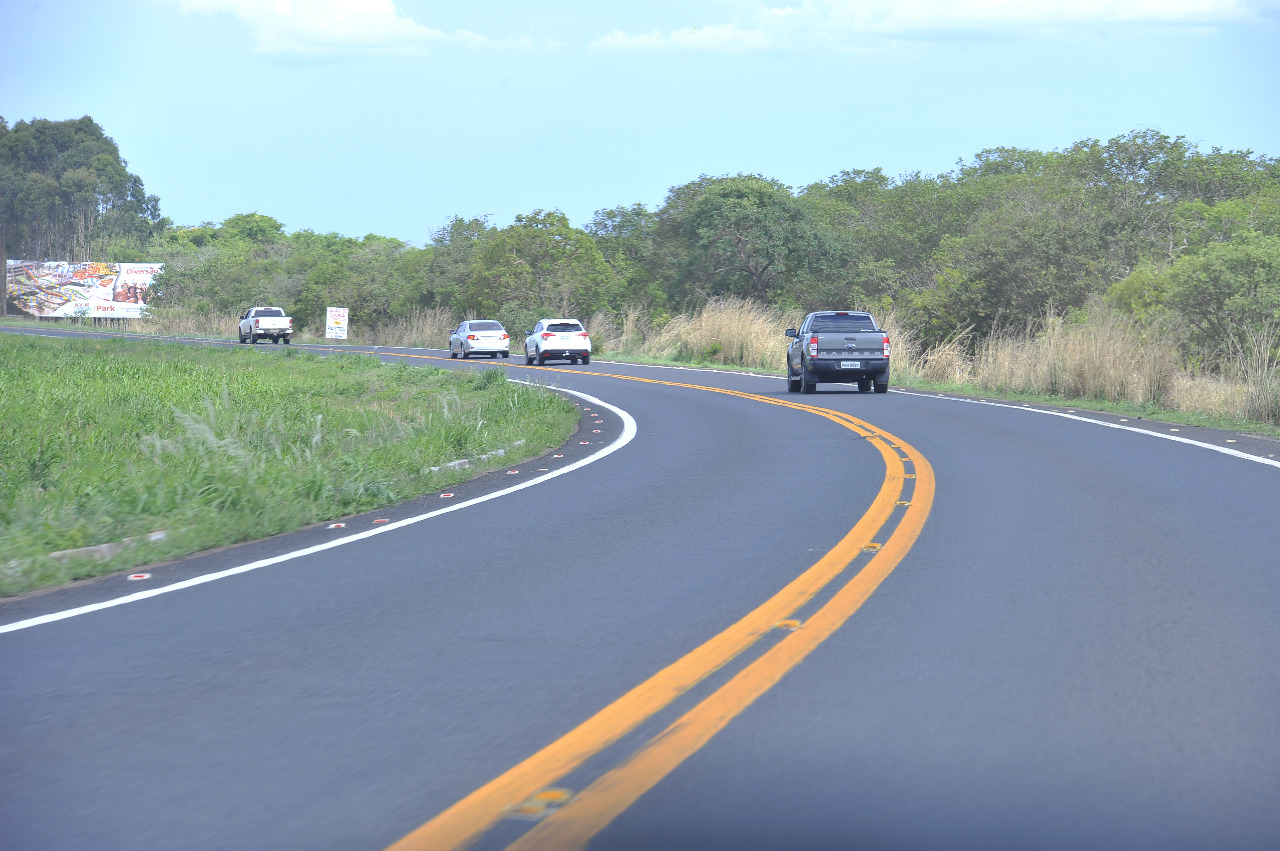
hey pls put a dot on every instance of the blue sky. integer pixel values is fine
(373, 116)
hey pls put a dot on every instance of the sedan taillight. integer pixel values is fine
(504, 337)
(472, 337)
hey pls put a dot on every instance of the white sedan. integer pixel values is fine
(557, 339)
(480, 337)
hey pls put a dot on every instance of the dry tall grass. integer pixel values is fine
(726, 331)
(421, 328)
(181, 322)
(1109, 357)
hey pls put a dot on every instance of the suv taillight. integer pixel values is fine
(583, 334)
(813, 347)
(547, 335)
(886, 345)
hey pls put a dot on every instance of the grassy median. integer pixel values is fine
(107, 440)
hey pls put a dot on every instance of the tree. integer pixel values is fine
(65, 186)
(1225, 290)
(540, 264)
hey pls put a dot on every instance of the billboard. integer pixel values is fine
(102, 290)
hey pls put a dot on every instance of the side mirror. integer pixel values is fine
(790, 332)
(528, 333)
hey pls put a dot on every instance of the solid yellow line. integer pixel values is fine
(462, 823)
(573, 826)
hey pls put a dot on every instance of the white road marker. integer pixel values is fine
(1235, 453)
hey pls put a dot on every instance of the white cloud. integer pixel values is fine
(757, 25)
(725, 38)
(327, 27)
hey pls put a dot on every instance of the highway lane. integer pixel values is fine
(1078, 650)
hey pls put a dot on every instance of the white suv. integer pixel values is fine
(557, 339)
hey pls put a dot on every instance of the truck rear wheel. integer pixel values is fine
(807, 382)
(864, 385)
(882, 387)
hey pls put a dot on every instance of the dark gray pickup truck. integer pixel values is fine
(838, 345)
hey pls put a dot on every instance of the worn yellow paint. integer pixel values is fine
(571, 827)
(461, 824)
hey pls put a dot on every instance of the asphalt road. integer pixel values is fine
(1069, 641)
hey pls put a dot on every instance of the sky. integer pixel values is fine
(393, 117)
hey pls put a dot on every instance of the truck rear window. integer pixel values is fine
(847, 323)
(269, 311)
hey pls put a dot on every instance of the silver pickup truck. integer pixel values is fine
(838, 346)
(261, 322)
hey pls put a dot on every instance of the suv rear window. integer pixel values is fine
(564, 326)
(485, 326)
(848, 323)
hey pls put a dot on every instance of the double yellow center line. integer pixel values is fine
(571, 826)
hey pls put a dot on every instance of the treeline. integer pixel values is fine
(1151, 223)
(66, 194)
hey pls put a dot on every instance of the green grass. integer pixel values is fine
(106, 439)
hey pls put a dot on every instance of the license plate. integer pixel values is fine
(851, 364)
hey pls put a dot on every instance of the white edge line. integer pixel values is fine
(1225, 450)
(628, 434)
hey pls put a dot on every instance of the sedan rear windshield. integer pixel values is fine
(485, 326)
(564, 326)
(848, 322)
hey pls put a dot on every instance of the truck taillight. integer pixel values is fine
(257, 323)
(813, 347)
(886, 345)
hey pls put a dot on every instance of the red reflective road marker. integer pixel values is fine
(446, 496)
(133, 577)
(335, 525)
(383, 520)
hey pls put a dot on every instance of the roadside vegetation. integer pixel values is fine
(1142, 268)
(103, 440)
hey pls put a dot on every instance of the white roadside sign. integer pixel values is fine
(335, 323)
